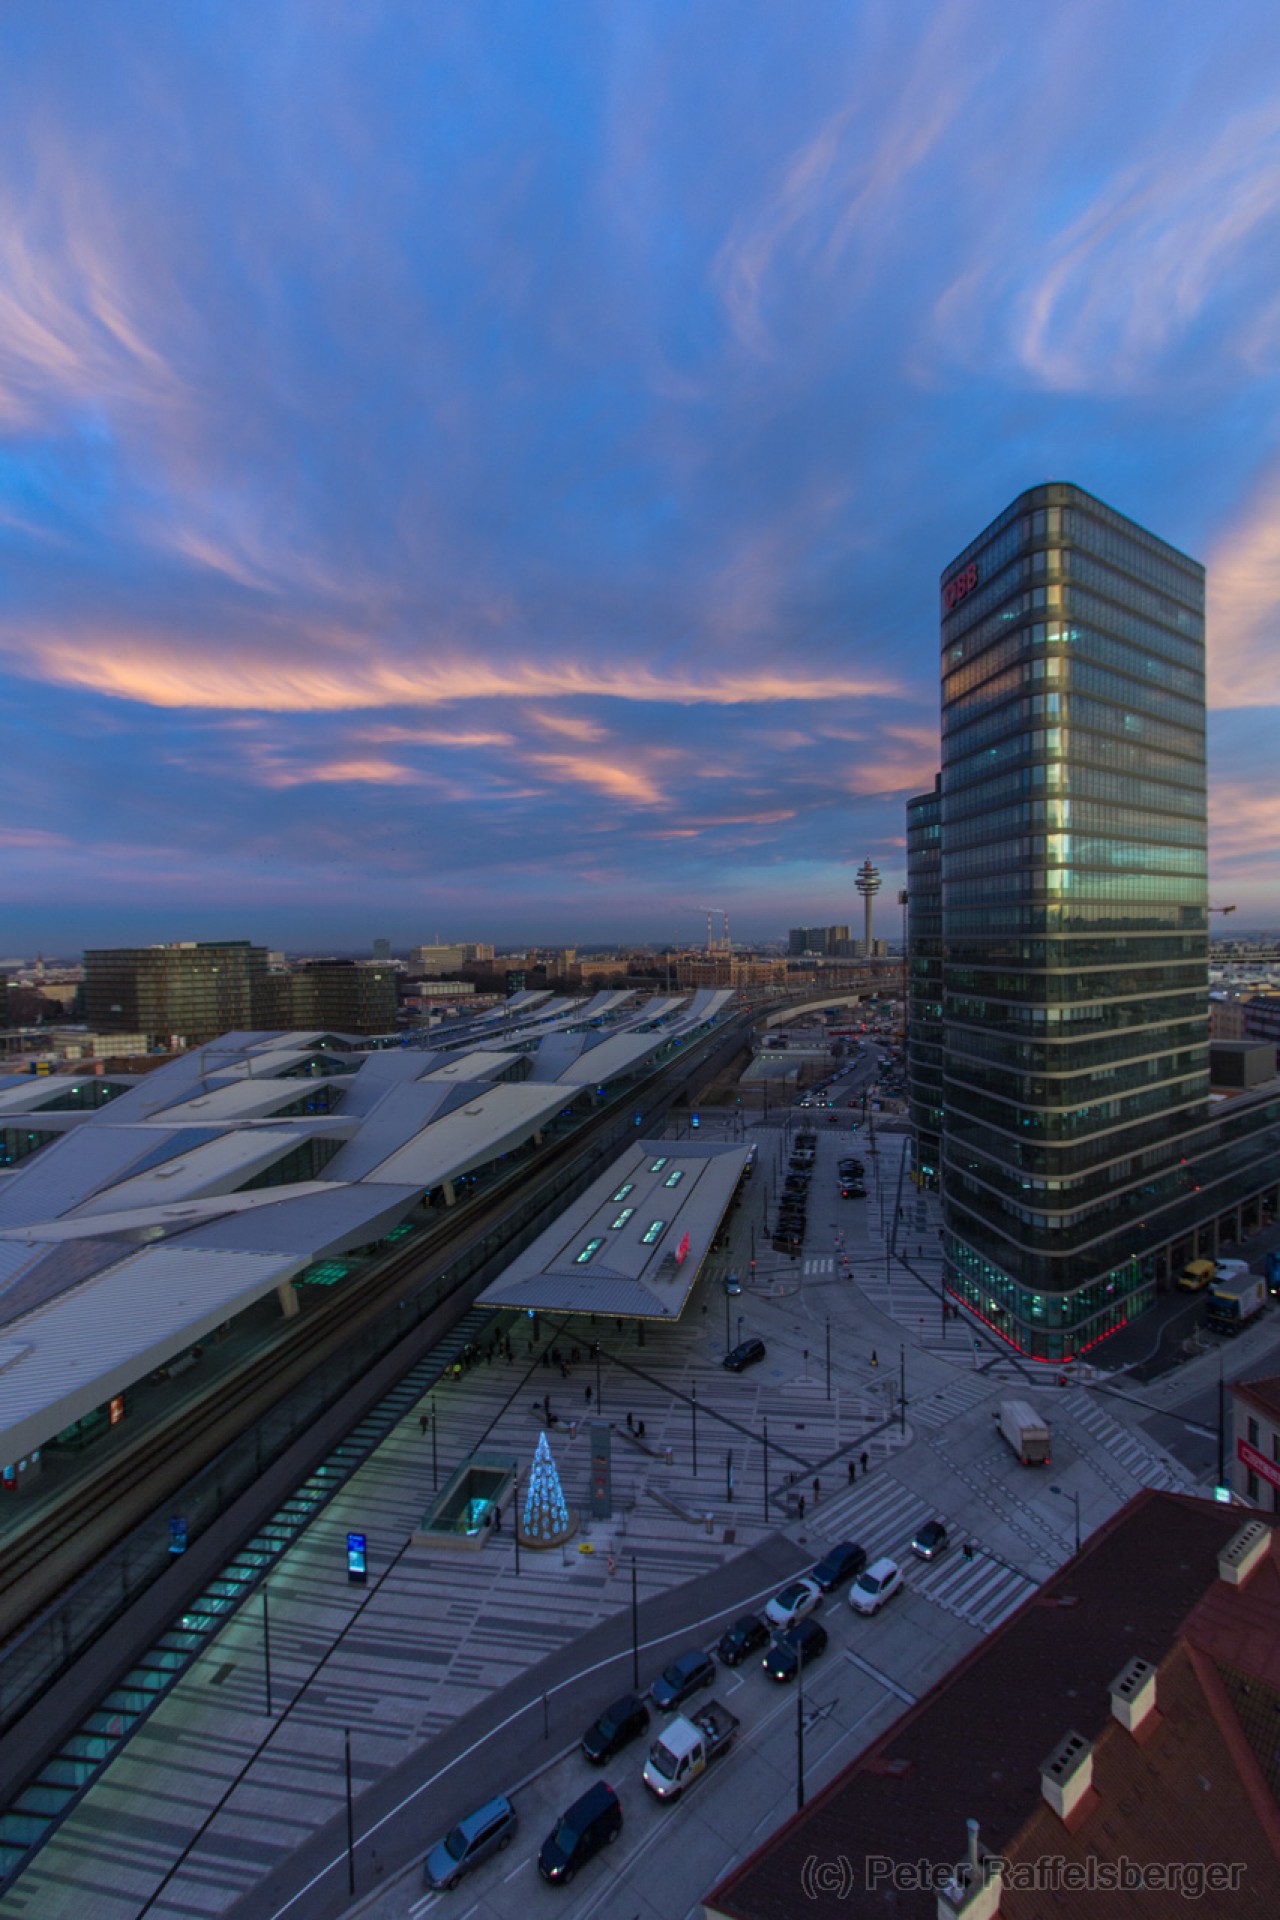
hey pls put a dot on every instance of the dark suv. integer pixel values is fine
(795, 1649)
(745, 1356)
(616, 1728)
(745, 1636)
(683, 1677)
(843, 1562)
(592, 1822)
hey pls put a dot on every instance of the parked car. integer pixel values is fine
(744, 1637)
(852, 1191)
(874, 1585)
(795, 1649)
(841, 1563)
(798, 1598)
(616, 1728)
(745, 1355)
(683, 1678)
(592, 1822)
(487, 1831)
(931, 1540)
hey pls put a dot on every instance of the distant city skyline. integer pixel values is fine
(507, 490)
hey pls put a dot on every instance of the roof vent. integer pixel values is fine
(1242, 1553)
(1133, 1694)
(1067, 1775)
(973, 1891)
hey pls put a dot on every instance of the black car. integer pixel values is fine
(745, 1636)
(851, 1166)
(745, 1355)
(592, 1822)
(843, 1562)
(853, 1191)
(684, 1677)
(616, 1728)
(795, 1649)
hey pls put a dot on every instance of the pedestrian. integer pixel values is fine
(802, 1506)
(640, 1429)
(497, 1519)
(875, 1358)
(546, 1404)
(564, 1371)
(864, 1462)
(588, 1396)
(817, 1489)
(631, 1425)
(423, 1422)
(853, 1471)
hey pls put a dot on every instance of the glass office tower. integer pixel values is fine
(1074, 913)
(924, 978)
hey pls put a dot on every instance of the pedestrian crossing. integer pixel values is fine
(966, 1391)
(884, 1516)
(1152, 1469)
(912, 1295)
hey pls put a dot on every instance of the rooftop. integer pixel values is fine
(1190, 1785)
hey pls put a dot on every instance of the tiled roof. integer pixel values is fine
(973, 1747)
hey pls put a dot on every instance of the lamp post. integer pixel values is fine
(435, 1458)
(828, 1359)
(266, 1644)
(515, 1509)
(902, 1386)
(766, 1467)
(635, 1631)
(597, 1346)
(694, 1406)
(351, 1830)
(799, 1733)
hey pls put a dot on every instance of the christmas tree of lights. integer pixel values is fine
(546, 1512)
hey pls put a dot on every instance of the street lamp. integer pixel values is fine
(694, 1404)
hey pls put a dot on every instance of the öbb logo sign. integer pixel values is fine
(960, 584)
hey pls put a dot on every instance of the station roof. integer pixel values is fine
(635, 1242)
(150, 1220)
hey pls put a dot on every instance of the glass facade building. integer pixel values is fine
(1074, 910)
(924, 978)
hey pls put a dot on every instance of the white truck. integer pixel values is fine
(686, 1747)
(1023, 1429)
(1234, 1302)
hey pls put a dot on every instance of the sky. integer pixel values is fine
(483, 470)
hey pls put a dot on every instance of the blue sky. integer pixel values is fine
(485, 469)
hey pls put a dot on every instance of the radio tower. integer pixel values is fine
(868, 885)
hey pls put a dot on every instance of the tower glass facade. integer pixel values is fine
(924, 978)
(1074, 1021)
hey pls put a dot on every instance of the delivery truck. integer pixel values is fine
(1235, 1302)
(1022, 1428)
(686, 1747)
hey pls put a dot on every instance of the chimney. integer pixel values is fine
(1133, 1694)
(1067, 1775)
(973, 1891)
(1242, 1553)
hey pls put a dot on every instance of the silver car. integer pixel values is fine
(486, 1831)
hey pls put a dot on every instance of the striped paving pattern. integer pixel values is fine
(1143, 1461)
(884, 1516)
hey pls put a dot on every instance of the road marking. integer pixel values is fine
(874, 1673)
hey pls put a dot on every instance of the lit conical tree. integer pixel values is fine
(546, 1513)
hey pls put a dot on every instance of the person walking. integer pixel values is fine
(588, 1396)
(853, 1471)
(865, 1458)
(424, 1421)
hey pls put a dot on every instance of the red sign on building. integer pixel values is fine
(682, 1249)
(1258, 1462)
(960, 584)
